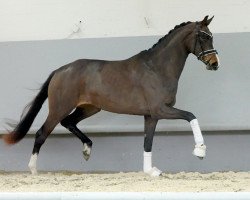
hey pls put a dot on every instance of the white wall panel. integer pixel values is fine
(58, 19)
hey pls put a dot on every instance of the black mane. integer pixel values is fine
(167, 35)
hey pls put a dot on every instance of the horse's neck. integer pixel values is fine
(170, 59)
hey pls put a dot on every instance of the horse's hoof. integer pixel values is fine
(86, 151)
(33, 170)
(200, 151)
(154, 172)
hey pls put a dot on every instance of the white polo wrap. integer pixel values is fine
(197, 132)
(147, 164)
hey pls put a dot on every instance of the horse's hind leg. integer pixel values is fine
(71, 121)
(52, 120)
(41, 136)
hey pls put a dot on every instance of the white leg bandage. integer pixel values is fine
(200, 148)
(32, 163)
(196, 131)
(147, 165)
(86, 151)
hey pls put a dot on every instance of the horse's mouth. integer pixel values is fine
(212, 68)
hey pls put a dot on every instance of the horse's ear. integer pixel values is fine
(206, 21)
(209, 20)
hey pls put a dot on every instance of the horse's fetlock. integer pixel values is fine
(90, 143)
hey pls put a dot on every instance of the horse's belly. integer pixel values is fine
(126, 109)
(123, 102)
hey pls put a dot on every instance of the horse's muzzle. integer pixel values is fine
(213, 66)
(211, 61)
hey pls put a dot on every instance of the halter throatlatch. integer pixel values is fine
(203, 52)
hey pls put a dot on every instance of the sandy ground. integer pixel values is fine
(125, 182)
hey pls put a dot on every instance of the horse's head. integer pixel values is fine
(201, 44)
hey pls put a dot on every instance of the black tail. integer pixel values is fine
(26, 121)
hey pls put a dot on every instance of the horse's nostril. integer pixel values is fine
(215, 64)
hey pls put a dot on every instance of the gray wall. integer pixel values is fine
(219, 100)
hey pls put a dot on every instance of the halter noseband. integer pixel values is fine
(206, 52)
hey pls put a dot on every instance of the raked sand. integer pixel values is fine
(124, 182)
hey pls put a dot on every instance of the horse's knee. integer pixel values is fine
(189, 116)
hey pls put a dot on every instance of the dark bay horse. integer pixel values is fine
(145, 84)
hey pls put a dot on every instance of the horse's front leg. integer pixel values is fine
(166, 112)
(149, 130)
